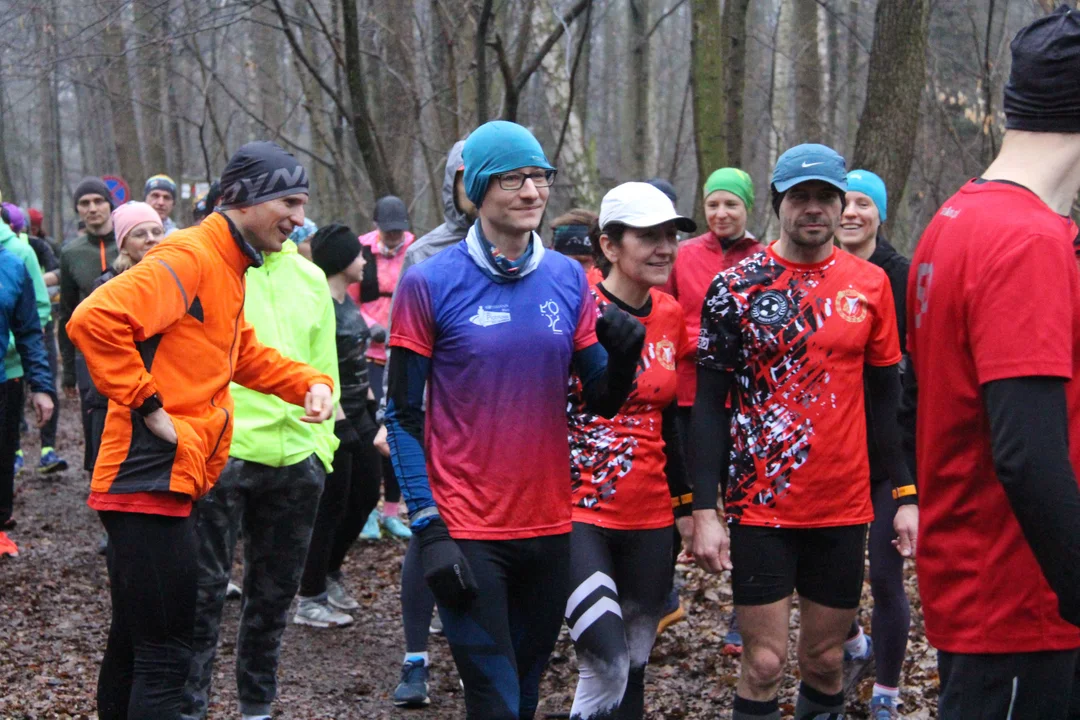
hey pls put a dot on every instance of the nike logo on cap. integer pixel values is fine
(806, 164)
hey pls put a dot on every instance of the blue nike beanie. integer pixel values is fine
(498, 147)
(872, 186)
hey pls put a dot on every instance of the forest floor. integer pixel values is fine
(54, 618)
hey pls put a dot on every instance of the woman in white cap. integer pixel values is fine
(627, 473)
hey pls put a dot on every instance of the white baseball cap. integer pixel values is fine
(641, 205)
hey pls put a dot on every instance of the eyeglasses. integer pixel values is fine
(516, 180)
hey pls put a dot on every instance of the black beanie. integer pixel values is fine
(92, 186)
(259, 172)
(334, 247)
(1043, 92)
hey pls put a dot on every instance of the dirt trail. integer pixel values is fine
(54, 617)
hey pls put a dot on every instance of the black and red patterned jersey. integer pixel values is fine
(797, 338)
(617, 466)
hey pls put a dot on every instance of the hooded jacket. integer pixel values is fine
(10, 242)
(455, 225)
(288, 303)
(173, 325)
(376, 312)
(19, 316)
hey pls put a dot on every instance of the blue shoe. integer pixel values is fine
(51, 462)
(412, 691)
(395, 527)
(883, 707)
(733, 638)
(371, 529)
(19, 462)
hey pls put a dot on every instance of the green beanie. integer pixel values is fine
(734, 181)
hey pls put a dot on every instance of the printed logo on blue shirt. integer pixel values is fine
(550, 310)
(491, 315)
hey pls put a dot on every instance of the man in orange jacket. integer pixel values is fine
(162, 341)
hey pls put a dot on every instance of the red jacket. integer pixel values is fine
(698, 262)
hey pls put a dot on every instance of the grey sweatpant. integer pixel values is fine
(276, 508)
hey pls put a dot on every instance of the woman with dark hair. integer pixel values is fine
(627, 472)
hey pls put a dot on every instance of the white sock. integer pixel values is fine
(882, 691)
(417, 656)
(256, 717)
(856, 646)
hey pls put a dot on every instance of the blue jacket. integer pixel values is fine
(18, 315)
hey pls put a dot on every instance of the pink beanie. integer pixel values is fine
(128, 215)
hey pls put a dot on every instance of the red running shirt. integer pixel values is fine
(994, 293)
(617, 465)
(797, 338)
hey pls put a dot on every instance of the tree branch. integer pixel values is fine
(545, 47)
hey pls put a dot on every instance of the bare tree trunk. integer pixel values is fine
(707, 79)
(807, 73)
(885, 143)
(150, 42)
(367, 140)
(269, 69)
(832, 120)
(444, 59)
(7, 187)
(851, 106)
(734, 29)
(483, 25)
(399, 109)
(51, 157)
(118, 82)
(637, 119)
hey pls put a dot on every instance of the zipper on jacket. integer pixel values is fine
(236, 331)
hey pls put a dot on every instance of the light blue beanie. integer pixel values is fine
(872, 186)
(498, 147)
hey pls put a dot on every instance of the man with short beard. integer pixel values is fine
(82, 261)
(788, 336)
(162, 342)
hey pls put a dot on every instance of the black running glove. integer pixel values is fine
(621, 334)
(446, 570)
(346, 433)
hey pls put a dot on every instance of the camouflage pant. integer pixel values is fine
(276, 508)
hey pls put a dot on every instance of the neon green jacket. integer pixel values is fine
(13, 243)
(288, 302)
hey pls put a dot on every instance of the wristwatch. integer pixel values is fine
(150, 404)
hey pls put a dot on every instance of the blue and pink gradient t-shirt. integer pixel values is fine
(495, 433)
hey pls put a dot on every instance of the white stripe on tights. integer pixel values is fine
(601, 606)
(597, 579)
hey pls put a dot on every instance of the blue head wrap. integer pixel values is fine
(872, 186)
(498, 147)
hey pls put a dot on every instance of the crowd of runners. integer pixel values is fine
(566, 416)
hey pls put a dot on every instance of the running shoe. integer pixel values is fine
(412, 691)
(673, 611)
(395, 527)
(317, 614)
(883, 707)
(338, 596)
(8, 546)
(733, 638)
(233, 591)
(856, 667)
(371, 529)
(19, 462)
(51, 462)
(435, 628)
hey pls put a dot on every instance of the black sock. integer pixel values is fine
(756, 710)
(816, 705)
